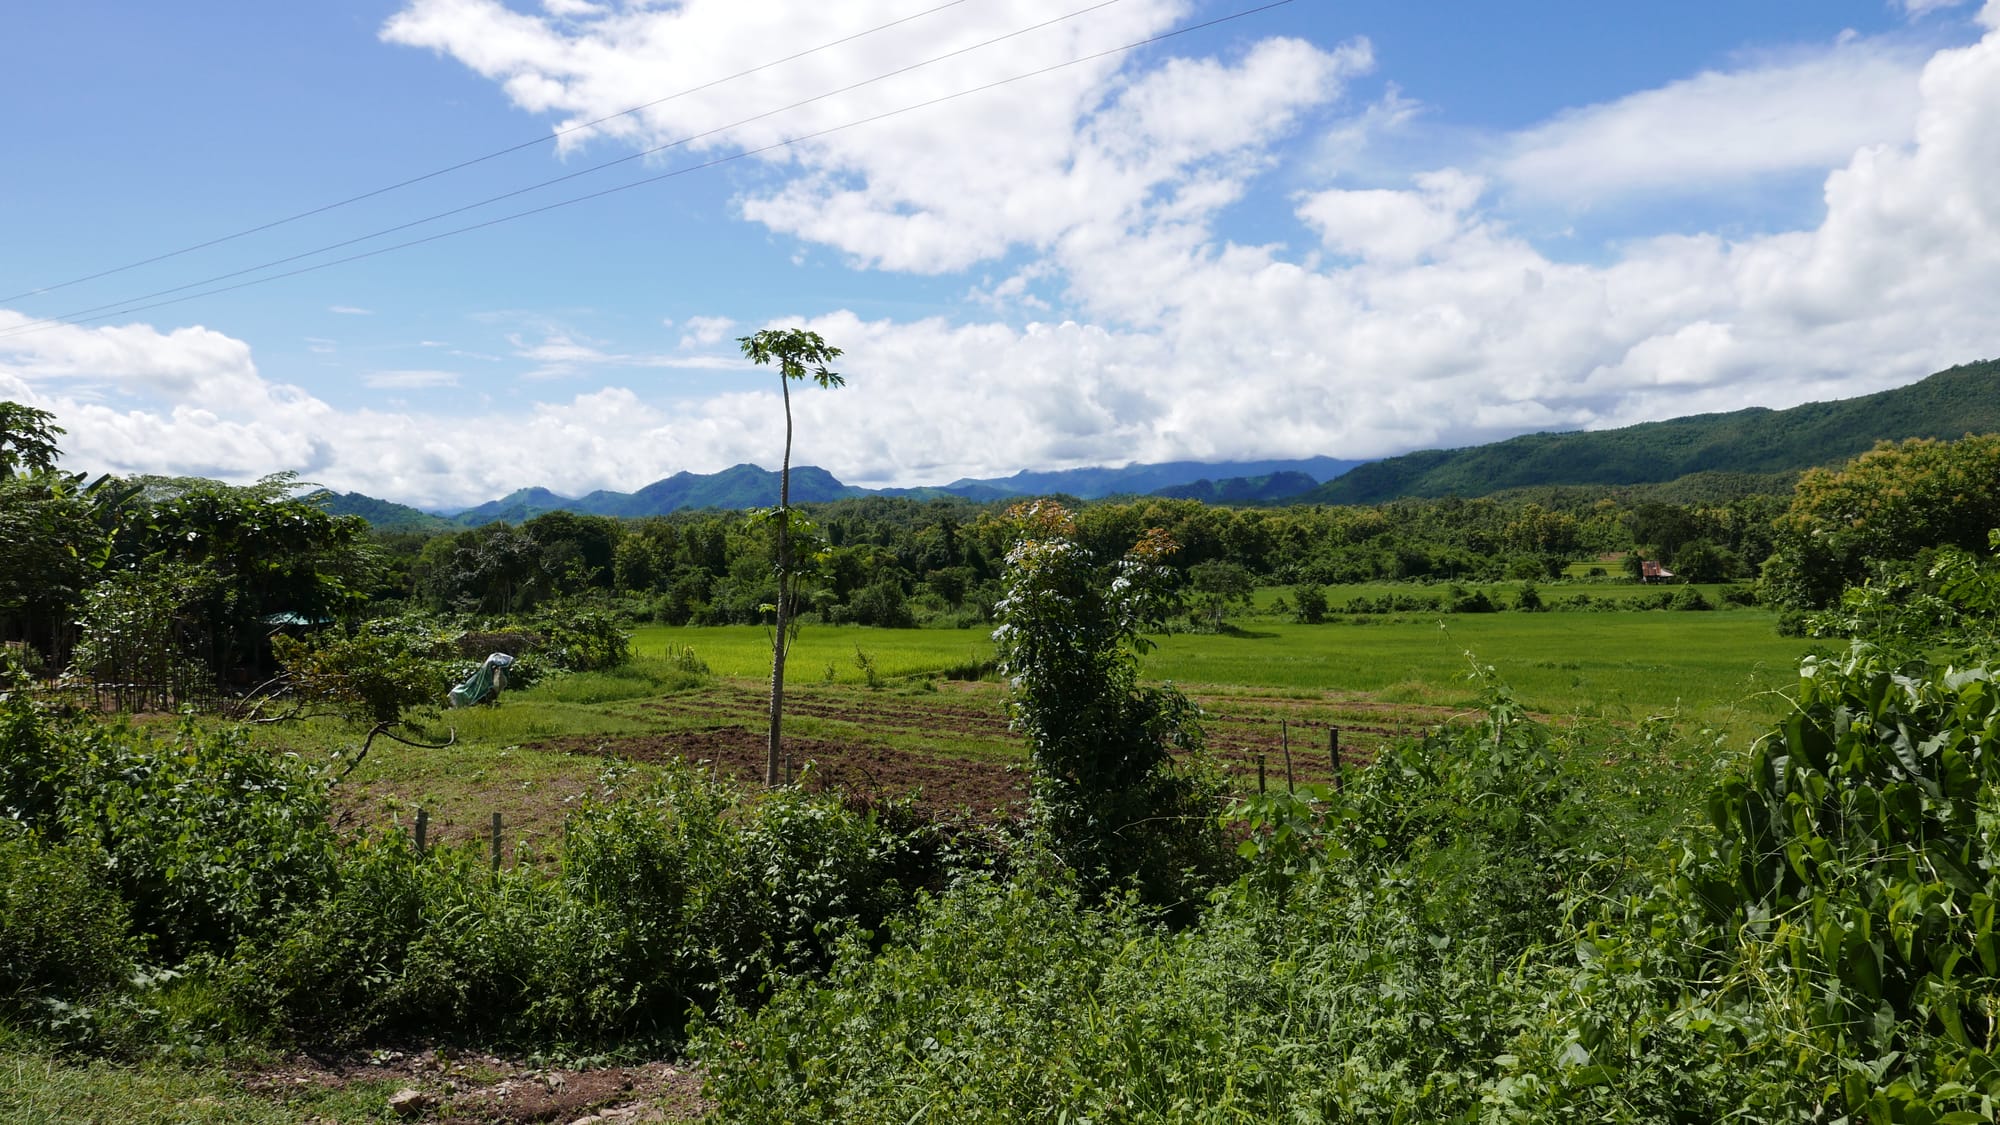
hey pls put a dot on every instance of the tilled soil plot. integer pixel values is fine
(438, 1089)
(959, 714)
(951, 750)
(945, 788)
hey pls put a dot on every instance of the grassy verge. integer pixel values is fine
(40, 1089)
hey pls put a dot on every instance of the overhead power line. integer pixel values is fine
(494, 155)
(86, 314)
(37, 326)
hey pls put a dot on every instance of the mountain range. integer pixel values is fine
(748, 486)
(1755, 444)
(1950, 404)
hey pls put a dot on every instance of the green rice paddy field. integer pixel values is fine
(1714, 668)
(927, 723)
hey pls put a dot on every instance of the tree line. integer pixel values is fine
(94, 567)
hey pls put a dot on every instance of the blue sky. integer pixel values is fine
(1345, 229)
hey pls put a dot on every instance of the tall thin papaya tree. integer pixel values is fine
(798, 354)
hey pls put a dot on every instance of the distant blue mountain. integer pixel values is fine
(1140, 480)
(1270, 488)
(739, 486)
(748, 486)
(515, 507)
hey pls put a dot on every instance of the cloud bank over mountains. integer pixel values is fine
(1111, 309)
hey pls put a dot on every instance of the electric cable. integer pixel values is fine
(86, 313)
(38, 326)
(494, 155)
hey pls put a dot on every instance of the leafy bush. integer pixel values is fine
(577, 638)
(673, 896)
(205, 840)
(1311, 602)
(1365, 969)
(35, 766)
(62, 928)
(1109, 801)
(1394, 603)
(882, 604)
(1826, 950)
(1738, 595)
(1460, 600)
(371, 677)
(1688, 598)
(19, 661)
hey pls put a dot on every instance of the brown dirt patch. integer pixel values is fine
(724, 727)
(978, 716)
(445, 1089)
(945, 788)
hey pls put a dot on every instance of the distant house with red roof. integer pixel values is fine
(1650, 571)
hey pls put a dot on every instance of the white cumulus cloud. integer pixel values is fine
(1809, 112)
(1374, 320)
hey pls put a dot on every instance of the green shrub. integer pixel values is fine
(210, 841)
(1394, 603)
(205, 840)
(1109, 799)
(370, 677)
(674, 897)
(1460, 600)
(577, 638)
(1739, 595)
(62, 927)
(1688, 598)
(1376, 964)
(19, 661)
(35, 767)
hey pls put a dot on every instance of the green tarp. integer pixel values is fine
(484, 684)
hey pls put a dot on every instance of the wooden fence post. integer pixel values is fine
(423, 829)
(1285, 743)
(1333, 751)
(496, 843)
(1260, 775)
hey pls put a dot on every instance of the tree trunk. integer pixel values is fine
(774, 753)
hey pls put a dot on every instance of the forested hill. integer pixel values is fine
(382, 515)
(1268, 489)
(748, 486)
(1138, 479)
(1949, 404)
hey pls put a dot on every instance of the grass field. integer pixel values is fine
(1714, 668)
(1711, 667)
(823, 653)
(1373, 677)
(1618, 591)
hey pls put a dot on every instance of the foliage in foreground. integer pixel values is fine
(1363, 969)
(187, 852)
(1470, 933)
(1109, 799)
